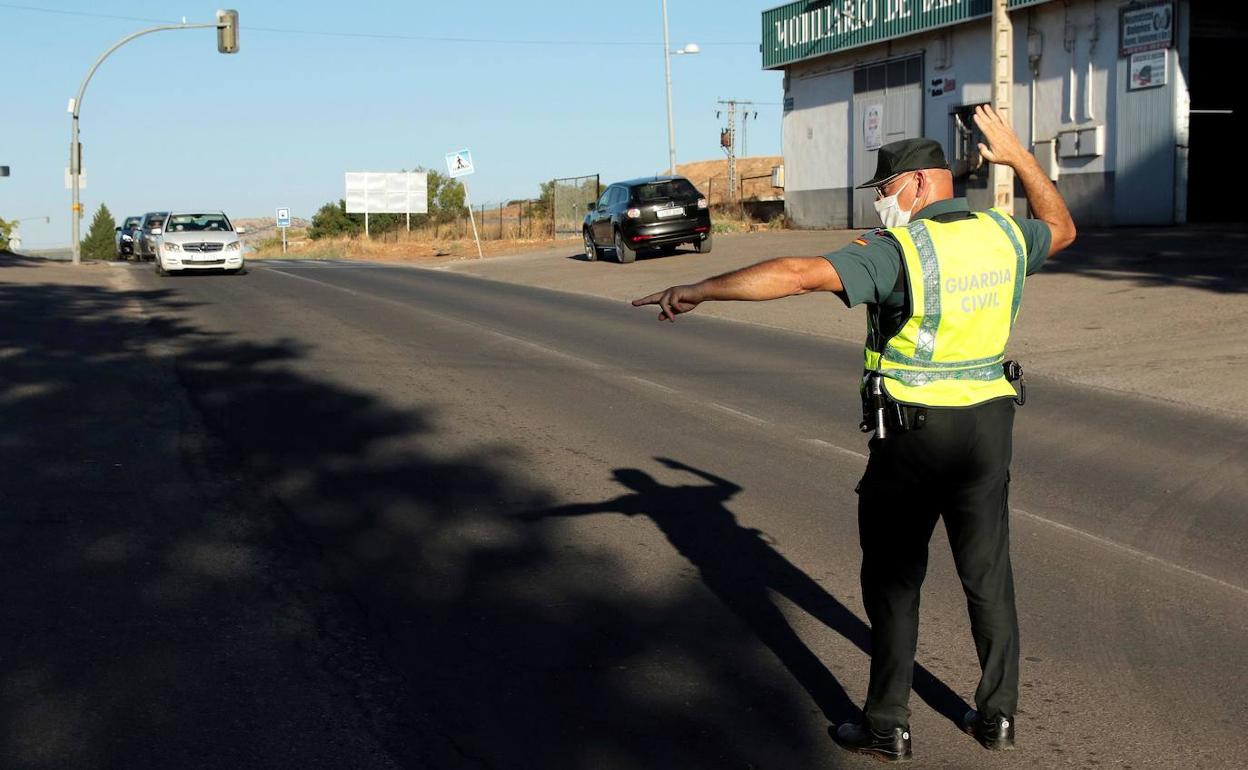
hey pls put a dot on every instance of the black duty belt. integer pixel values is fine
(882, 414)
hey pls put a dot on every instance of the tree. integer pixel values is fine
(101, 242)
(332, 219)
(5, 229)
(446, 197)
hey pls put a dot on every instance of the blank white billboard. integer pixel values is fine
(370, 192)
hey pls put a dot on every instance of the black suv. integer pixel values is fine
(657, 213)
(123, 237)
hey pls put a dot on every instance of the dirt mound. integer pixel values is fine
(754, 175)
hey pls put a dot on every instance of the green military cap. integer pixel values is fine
(906, 155)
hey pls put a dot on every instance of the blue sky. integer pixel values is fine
(169, 122)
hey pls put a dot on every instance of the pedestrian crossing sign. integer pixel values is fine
(459, 163)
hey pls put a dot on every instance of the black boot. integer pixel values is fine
(889, 746)
(995, 734)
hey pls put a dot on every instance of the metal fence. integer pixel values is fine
(570, 197)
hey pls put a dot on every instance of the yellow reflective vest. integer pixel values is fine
(965, 282)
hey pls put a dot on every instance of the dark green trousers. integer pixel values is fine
(957, 468)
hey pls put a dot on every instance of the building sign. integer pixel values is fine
(809, 28)
(1145, 26)
(943, 86)
(873, 126)
(1148, 69)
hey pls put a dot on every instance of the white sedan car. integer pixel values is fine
(198, 240)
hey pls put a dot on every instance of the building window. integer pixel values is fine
(892, 74)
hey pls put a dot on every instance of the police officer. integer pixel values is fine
(942, 285)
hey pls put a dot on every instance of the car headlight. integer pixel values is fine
(170, 247)
(233, 246)
(127, 239)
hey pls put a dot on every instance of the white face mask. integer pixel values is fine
(890, 213)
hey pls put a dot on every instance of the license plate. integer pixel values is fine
(666, 213)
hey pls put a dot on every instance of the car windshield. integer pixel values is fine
(675, 188)
(131, 222)
(154, 221)
(194, 223)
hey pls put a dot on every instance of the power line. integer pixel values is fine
(378, 35)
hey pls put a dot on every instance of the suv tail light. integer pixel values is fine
(633, 213)
(701, 203)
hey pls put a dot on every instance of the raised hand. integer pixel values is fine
(1003, 145)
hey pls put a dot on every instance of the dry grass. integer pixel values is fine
(402, 247)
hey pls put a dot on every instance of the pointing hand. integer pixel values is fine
(672, 301)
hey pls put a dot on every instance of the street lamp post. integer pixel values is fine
(691, 48)
(15, 237)
(227, 42)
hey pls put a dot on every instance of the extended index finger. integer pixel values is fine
(652, 299)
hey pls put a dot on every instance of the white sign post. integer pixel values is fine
(283, 222)
(459, 164)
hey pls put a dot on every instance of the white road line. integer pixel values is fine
(535, 346)
(487, 330)
(737, 413)
(1137, 553)
(352, 292)
(828, 445)
(653, 384)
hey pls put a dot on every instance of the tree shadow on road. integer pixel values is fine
(743, 569)
(215, 556)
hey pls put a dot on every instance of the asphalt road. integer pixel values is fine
(378, 517)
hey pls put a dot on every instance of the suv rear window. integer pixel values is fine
(679, 189)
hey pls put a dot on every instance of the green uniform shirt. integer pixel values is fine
(870, 267)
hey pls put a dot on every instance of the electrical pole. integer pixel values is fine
(1001, 178)
(728, 140)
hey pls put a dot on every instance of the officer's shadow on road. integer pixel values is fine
(742, 568)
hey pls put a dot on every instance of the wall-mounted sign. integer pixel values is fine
(804, 29)
(873, 126)
(942, 86)
(1148, 69)
(1146, 26)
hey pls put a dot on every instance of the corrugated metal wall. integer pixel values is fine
(1143, 130)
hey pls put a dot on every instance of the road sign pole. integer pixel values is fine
(283, 241)
(472, 219)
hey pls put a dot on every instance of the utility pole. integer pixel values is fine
(1001, 178)
(728, 140)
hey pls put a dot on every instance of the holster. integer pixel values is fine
(897, 417)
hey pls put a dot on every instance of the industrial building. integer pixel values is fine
(1132, 108)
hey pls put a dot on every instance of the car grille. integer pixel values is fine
(202, 247)
(200, 262)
